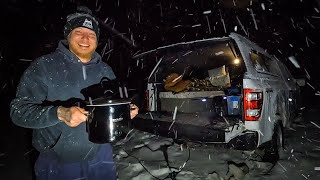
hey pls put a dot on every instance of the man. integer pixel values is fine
(59, 131)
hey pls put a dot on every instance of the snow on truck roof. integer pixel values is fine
(217, 39)
(234, 36)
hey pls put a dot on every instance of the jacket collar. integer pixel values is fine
(63, 47)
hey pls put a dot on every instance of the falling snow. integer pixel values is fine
(129, 28)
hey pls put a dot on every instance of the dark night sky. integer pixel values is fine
(31, 28)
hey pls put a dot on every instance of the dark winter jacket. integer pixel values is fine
(52, 80)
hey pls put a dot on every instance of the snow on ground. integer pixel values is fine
(141, 156)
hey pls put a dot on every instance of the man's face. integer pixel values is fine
(83, 43)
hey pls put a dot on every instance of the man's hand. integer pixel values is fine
(72, 116)
(134, 110)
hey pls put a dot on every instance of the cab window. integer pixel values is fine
(263, 63)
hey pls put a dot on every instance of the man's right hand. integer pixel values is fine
(72, 116)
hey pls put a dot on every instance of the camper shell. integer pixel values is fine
(219, 90)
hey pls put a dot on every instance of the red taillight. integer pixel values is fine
(147, 100)
(252, 104)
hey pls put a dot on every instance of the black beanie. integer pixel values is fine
(81, 20)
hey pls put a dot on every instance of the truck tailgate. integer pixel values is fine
(179, 131)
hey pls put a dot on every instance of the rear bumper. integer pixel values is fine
(245, 141)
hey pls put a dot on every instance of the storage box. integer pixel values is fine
(188, 102)
(234, 105)
(227, 105)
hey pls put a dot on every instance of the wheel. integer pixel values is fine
(278, 139)
(275, 150)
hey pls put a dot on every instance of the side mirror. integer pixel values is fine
(301, 82)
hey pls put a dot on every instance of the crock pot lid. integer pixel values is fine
(108, 102)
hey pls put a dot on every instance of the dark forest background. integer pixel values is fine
(286, 28)
(31, 28)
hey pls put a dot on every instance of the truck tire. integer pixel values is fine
(279, 139)
(275, 150)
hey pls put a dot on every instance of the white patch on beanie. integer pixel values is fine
(87, 23)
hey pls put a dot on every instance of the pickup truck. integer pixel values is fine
(220, 90)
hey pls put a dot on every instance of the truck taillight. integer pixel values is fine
(253, 100)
